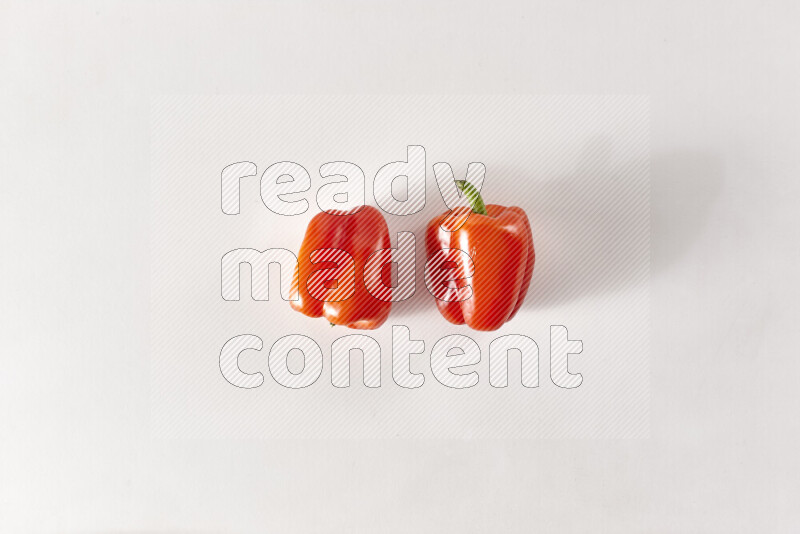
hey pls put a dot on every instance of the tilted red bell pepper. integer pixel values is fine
(499, 242)
(322, 280)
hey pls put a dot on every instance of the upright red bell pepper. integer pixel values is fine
(328, 283)
(499, 242)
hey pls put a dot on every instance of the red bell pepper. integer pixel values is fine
(499, 242)
(329, 278)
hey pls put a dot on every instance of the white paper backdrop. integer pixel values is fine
(78, 451)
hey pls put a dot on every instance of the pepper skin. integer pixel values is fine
(499, 241)
(359, 232)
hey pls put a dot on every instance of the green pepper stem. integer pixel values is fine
(474, 197)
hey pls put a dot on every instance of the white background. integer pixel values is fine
(77, 455)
